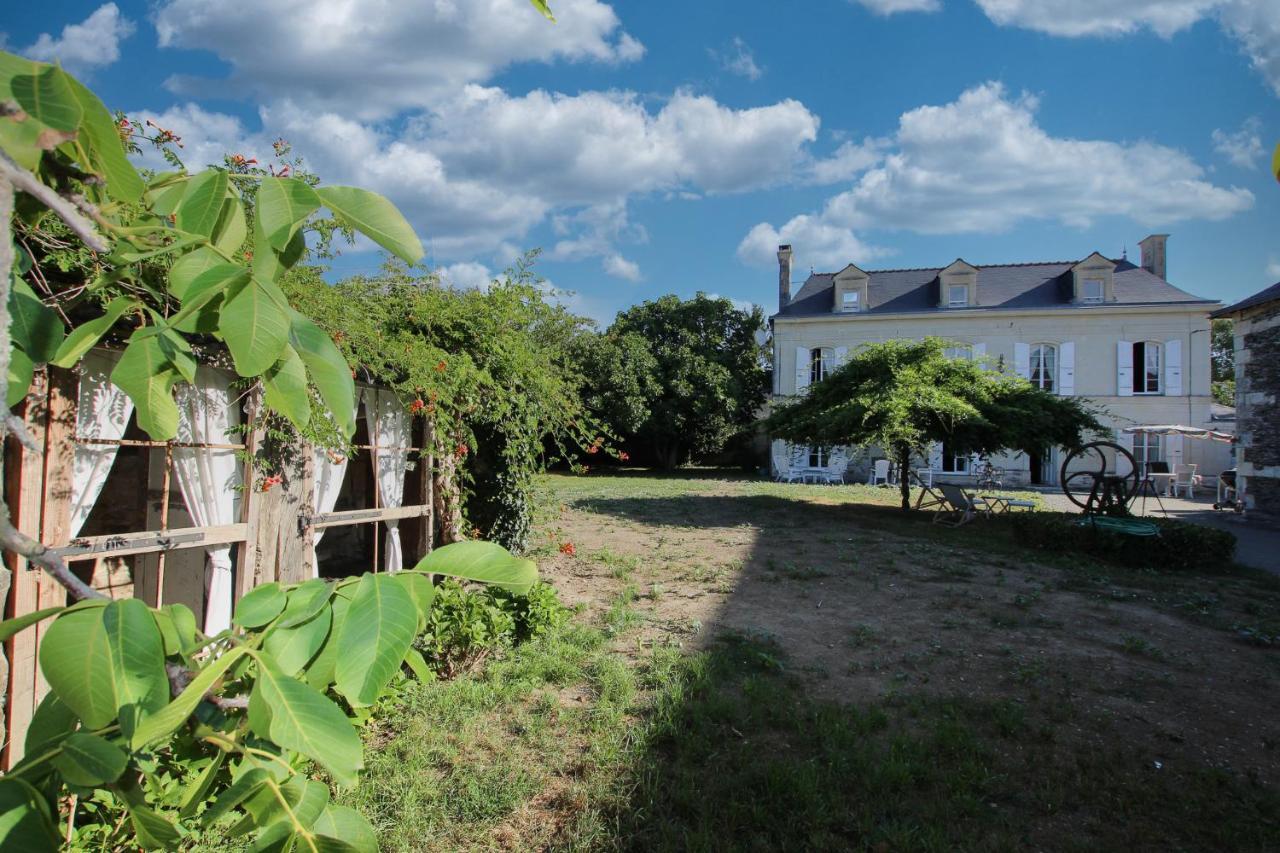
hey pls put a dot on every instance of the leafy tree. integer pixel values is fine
(1222, 353)
(706, 367)
(619, 378)
(903, 396)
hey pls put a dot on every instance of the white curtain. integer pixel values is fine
(102, 411)
(389, 430)
(330, 469)
(209, 479)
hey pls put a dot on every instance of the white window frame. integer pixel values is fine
(851, 301)
(1086, 297)
(1147, 447)
(819, 457)
(959, 351)
(952, 302)
(1143, 371)
(1048, 374)
(822, 362)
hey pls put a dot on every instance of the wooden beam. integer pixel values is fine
(152, 541)
(364, 516)
(247, 557)
(55, 515)
(24, 485)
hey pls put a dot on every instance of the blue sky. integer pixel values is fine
(652, 148)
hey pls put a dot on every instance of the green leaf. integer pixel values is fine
(286, 388)
(184, 622)
(232, 227)
(84, 336)
(136, 658)
(9, 627)
(1275, 162)
(541, 6)
(418, 664)
(76, 662)
(146, 375)
(245, 785)
(21, 372)
(254, 325)
(21, 141)
(481, 561)
(152, 831)
(320, 673)
(48, 97)
(198, 791)
(207, 286)
(106, 151)
(89, 761)
(202, 202)
(421, 590)
(347, 824)
(372, 640)
(376, 218)
(328, 370)
(188, 268)
(283, 204)
(305, 720)
(260, 605)
(52, 721)
(164, 200)
(167, 721)
(35, 328)
(293, 647)
(25, 823)
(169, 632)
(305, 601)
(179, 353)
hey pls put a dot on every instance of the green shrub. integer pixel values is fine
(1179, 546)
(466, 624)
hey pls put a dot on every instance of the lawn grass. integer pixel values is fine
(630, 730)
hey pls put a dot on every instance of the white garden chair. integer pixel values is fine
(837, 462)
(799, 467)
(879, 473)
(1185, 479)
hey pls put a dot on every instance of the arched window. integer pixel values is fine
(1044, 366)
(1146, 367)
(822, 360)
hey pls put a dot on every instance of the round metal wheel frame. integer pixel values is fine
(1092, 488)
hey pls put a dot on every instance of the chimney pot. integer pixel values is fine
(1153, 254)
(784, 275)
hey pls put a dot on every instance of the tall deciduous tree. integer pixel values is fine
(708, 371)
(902, 396)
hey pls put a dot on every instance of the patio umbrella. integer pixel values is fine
(1188, 431)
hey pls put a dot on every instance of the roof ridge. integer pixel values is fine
(979, 266)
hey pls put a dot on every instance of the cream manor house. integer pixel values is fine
(1111, 331)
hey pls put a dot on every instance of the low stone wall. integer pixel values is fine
(1258, 409)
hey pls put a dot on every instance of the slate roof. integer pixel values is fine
(1045, 285)
(1262, 297)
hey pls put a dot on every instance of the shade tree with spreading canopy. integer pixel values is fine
(903, 396)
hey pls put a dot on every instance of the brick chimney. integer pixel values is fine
(784, 276)
(1153, 254)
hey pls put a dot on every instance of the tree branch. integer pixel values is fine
(19, 178)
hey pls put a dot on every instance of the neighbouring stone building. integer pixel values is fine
(1257, 335)
(1107, 329)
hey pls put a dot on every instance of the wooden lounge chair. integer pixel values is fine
(958, 506)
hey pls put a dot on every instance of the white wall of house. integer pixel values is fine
(1091, 343)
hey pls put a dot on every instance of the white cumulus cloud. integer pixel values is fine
(892, 7)
(983, 164)
(92, 43)
(371, 58)
(1242, 147)
(738, 59)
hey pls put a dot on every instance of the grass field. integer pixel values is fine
(762, 667)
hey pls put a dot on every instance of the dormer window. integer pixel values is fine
(851, 301)
(958, 285)
(1093, 281)
(851, 291)
(957, 296)
(1092, 291)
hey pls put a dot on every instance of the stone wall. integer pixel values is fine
(1258, 408)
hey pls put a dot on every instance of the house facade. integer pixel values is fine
(1114, 332)
(1257, 340)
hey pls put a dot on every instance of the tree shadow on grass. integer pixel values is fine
(738, 752)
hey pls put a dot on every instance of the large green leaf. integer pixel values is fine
(241, 788)
(207, 286)
(167, 721)
(152, 831)
(47, 96)
(9, 627)
(305, 601)
(374, 635)
(348, 825)
(420, 589)
(84, 336)
(481, 561)
(88, 760)
(198, 791)
(232, 227)
(21, 141)
(188, 268)
(21, 371)
(25, 823)
(305, 720)
(260, 605)
(52, 721)
(106, 151)
(376, 218)
(328, 370)
(292, 647)
(286, 388)
(320, 673)
(255, 326)
(35, 328)
(136, 658)
(283, 204)
(202, 202)
(146, 375)
(76, 662)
